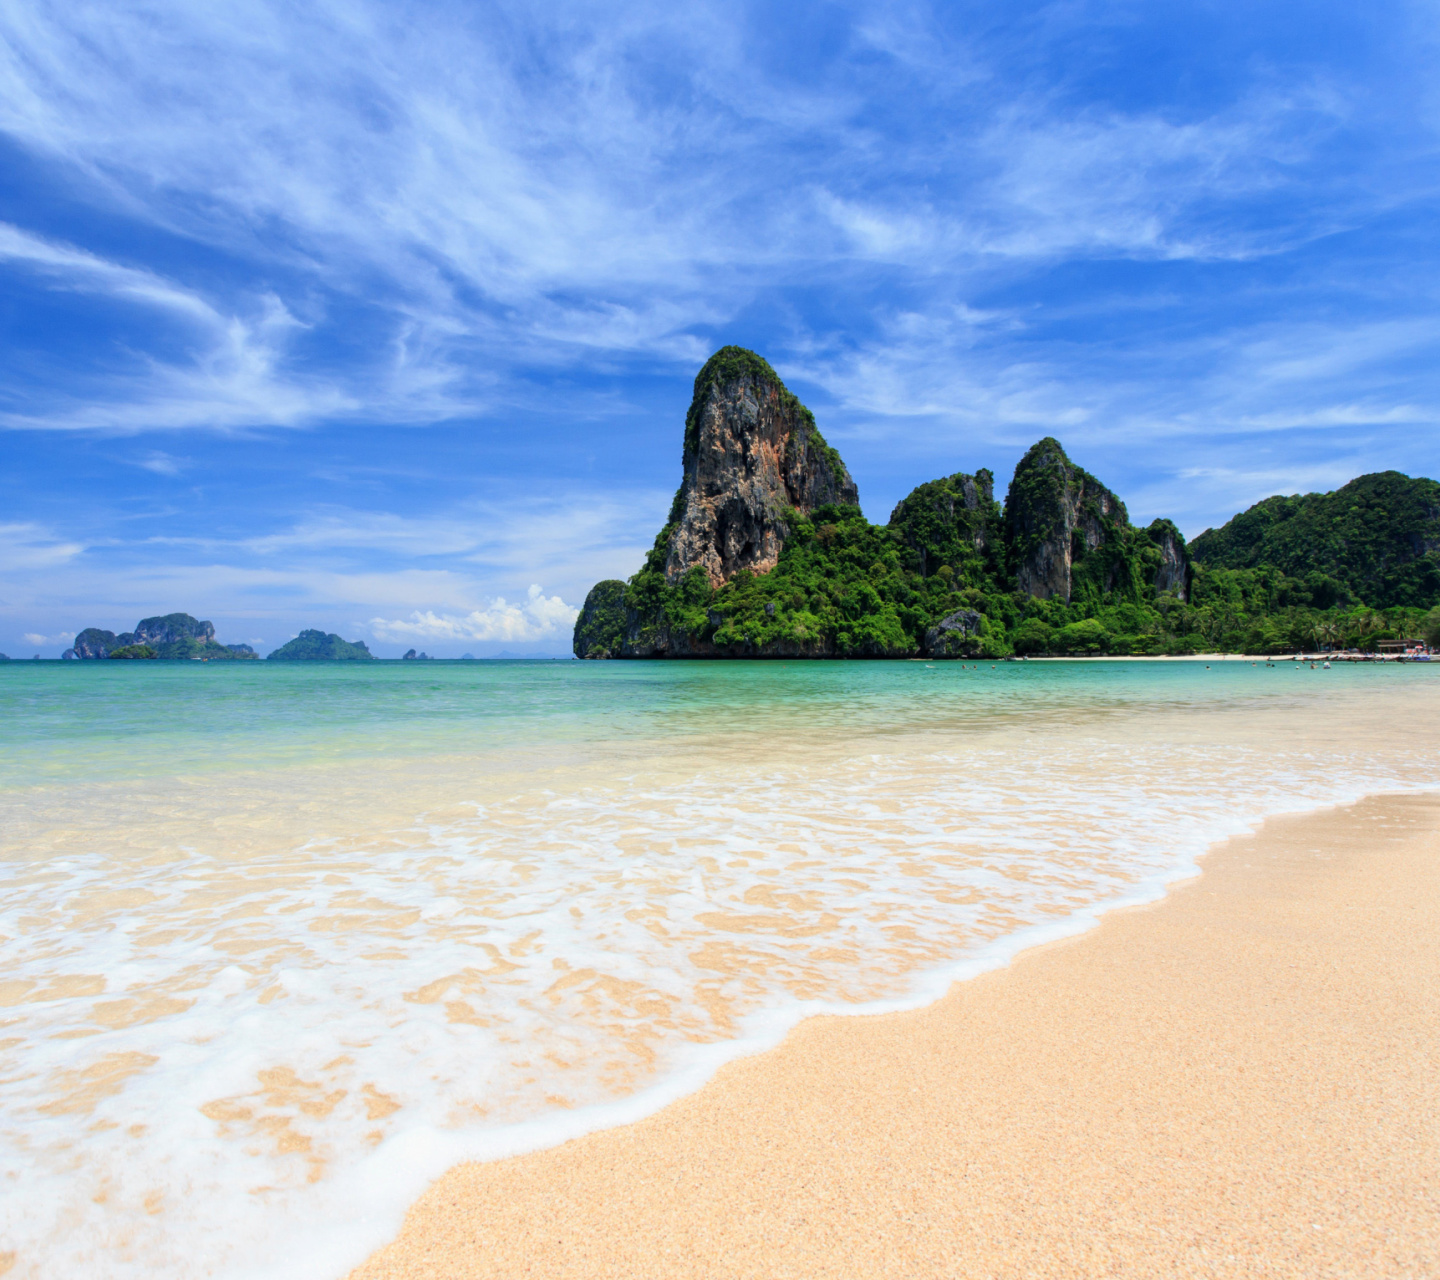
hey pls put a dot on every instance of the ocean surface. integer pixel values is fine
(280, 943)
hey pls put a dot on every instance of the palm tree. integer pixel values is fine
(1365, 622)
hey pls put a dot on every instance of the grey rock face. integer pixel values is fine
(1054, 513)
(172, 629)
(956, 635)
(664, 642)
(94, 642)
(171, 635)
(1174, 571)
(752, 452)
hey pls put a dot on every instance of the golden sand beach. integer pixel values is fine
(1241, 1080)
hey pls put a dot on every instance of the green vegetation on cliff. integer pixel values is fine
(603, 635)
(954, 521)
(839, 588)
(173, 635)
(846, 588)
(317, 646)
(1375, 539)
(1059, 569)
(134, 651)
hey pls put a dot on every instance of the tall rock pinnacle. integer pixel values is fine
(752, 454)
(1055, 514)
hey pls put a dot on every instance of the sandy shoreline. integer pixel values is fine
(1254, 659)
(1240, 1080)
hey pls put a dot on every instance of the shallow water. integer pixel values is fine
(279, 943)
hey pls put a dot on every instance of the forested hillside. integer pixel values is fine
(1374, 540)
(760, 559)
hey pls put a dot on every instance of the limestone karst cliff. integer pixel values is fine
(767, 554)
(1056, 514)
(953, 521)
(753, 457)
(1170, 560)
(172, 635)
(1066, 531)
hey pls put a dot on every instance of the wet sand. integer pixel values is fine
(1242, 1080)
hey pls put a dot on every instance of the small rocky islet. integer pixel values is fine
(319, 646)
(766, 554)
(180, 636)
(174, 635)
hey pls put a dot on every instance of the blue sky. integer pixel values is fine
(383, 318)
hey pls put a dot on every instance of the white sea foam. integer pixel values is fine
(233, 1065)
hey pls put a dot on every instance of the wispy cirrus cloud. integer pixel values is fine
(74, 268)
(161, 463)
(233, 375)
(1004, 368)
(569, 537)
(33, 547)
(1198, 251)
(483, 204)
(516, 189)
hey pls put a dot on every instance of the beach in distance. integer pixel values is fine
(282, 943)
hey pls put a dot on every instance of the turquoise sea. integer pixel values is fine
(278, 943)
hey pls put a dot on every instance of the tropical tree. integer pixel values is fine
(1430, 628)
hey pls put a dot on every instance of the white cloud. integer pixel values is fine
(162, 463)
(946, 369)
(565, 185)
(78, 269)
(437, 215)
(487, 210)
(574, 537)
(33, 547)
(462, 571)
(234, 379)
(538, 617)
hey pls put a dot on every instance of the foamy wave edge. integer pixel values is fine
(414, 1160)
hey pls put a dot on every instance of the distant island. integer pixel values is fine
(317, 646)
(175, 635)
(766, 553)
(178, 635)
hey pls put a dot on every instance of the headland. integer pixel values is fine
(765, 553)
